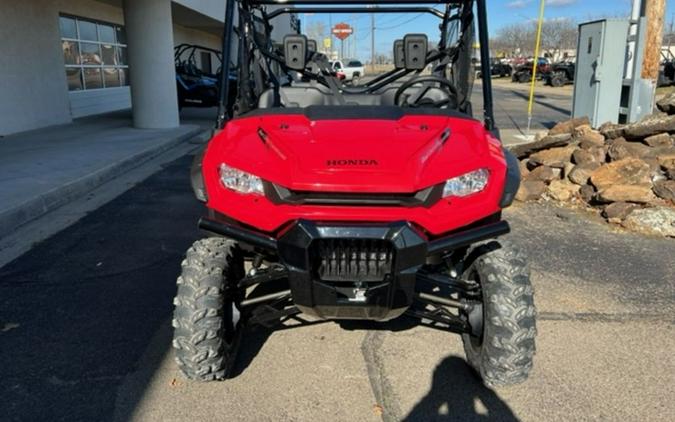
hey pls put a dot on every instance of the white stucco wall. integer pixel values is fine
(33, 88)
(32, 78)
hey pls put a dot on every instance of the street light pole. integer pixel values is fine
(534, 67)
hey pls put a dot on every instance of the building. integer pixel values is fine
(64, 59)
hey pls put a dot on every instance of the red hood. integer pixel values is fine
(394, 156)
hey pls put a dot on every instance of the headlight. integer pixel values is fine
(466, 184)
(240, 181)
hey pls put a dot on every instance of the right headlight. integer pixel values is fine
(240, 181)
(466, 184)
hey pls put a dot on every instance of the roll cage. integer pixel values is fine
(255, 47)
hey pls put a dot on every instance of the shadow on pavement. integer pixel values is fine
(85, 305)
(457, 394)
(542, 103)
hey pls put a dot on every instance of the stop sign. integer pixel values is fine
(342, 30)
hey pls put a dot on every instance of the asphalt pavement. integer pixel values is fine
(85, 331)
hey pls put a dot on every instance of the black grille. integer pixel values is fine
(354, 259)
(423, 198)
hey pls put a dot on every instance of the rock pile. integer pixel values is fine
(626, 172)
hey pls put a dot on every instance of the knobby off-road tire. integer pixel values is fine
(503, 355)
(207, 322)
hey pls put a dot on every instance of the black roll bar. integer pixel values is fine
(273, 14)
(484, 41)
(483, 36)
(225, 66)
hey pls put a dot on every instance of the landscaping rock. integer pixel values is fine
(599, 153)
(660, 140)
(665, 189)
(583, 156)
(544, 173)
(562, 190)
(659, 220)
(524, 171)
(568, 126)
(523, 150)
(650, 125)
(629, 171)
(531, 190)
(668, 168)
(591, 139)
(587, 193)
(639, 193)
(620, 149)
(617, 211)
(667, 103)
(612, 131)
(581, 173)
(554, 157)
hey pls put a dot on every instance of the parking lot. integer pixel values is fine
(85, 331)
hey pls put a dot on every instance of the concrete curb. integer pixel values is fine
(43, 203)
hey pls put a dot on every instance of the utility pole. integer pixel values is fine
(655, 11)
(372, 41)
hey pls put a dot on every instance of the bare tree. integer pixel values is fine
(316, 31)
(558, 35)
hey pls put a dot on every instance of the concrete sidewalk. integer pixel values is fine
(44, 169)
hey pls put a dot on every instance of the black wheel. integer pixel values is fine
(524, 77)
(503, 353)
(557, 80)
(356, 79)
(207, 319)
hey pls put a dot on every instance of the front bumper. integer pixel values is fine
(353, 271)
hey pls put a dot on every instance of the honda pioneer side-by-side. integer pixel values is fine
(372, 202)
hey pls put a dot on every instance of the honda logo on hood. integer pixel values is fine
(343, 163)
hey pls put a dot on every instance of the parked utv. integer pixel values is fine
(497, 68)
(196, 77)
(523, 72)
(373, 202)
(667, 68)
(561, 74)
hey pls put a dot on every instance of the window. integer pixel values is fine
(354, 63)
(95, 54)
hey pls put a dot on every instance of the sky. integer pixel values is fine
(390, 27)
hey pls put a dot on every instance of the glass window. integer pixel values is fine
(111, 77)
(108, 54)
(74, 77)
(121, 55)
(106, 33)
(124, 76)
(68, 27)
(94, 54)
(91, 53)
(87, 30)
(92, 78)
(121, 35)
(71, 52)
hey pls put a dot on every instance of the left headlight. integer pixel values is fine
(240, 181)
(467, 183)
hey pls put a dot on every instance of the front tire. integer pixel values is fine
(207, 319)
(503, 353)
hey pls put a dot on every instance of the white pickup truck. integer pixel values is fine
(352, 72)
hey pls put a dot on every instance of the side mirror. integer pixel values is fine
(415, 48)
(399, 54)
(295, 51)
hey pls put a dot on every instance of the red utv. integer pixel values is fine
(373, 202)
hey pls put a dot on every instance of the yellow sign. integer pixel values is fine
(326, 43)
